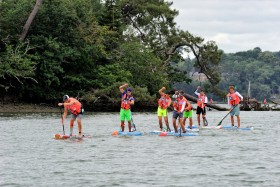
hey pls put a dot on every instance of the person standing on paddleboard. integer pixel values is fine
(179, 106)
(163, 103)
(234, 99)
(201, 105)
(126, 102)
(188, 112)
(75, 107)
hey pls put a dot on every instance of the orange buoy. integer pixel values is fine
(115, 133)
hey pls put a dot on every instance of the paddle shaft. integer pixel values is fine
(62, 121)
(226, 115)
(132, 123)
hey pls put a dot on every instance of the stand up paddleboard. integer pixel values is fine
(120, 133)
(160, 133)
(156, 132)
(178, 134)
(64, 137)
(229, 127)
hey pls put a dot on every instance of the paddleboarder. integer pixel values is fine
(201, 105)
(234, 99)
(126, 102)
(188, 113)
(75, 108)
(179, 106)
(163, 103)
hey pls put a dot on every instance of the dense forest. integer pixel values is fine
(88, 48)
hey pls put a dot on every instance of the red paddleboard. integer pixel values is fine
(64, 137)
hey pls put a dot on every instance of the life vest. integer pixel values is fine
(201, 100)
(178, 103)
(126, 101)
(233, 99)
(75, 108)
(163, 101)
(188, 107)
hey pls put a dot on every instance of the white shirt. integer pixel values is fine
(198, 94)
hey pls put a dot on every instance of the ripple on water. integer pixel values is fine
(30, 155)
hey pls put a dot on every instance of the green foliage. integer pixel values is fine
(88, 47)
(260, 68)
(16, 65)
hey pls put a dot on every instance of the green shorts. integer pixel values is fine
(125, 115)
(188, 114)
(161, 112)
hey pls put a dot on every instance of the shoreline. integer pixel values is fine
(38, 108)
(27, 108)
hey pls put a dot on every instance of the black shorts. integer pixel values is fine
(200, 110)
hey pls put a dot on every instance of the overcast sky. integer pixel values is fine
(235, 25)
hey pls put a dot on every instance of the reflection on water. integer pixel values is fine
(30, 156)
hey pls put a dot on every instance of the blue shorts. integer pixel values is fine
(176, 114)
(235, 111)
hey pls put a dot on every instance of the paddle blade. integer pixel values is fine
(61, 137)
(115, 133)
(57, 136)
(219, 123)
(163, 134)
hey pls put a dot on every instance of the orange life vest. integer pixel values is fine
(188, 107)
(75, 108)
(201, 100)
(163, 101)
(178, 103)
(233, 99)
(126, 101)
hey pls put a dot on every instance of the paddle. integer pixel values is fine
(62, 121)
(226, 116)
(205, 122)
(133, 124)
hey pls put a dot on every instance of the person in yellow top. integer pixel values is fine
(163, 103)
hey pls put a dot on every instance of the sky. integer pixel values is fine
(235, 25)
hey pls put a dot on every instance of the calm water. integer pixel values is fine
(29, 156)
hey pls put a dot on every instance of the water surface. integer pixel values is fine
(30, 156)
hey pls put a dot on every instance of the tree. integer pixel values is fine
(30, 19)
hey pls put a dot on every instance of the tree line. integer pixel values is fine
(87, 48)
(260, 68)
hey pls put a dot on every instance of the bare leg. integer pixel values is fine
(182, 125)
(160, 122)
(129, 126)
(79, 121)
(166, 123)
(198, 119)
(232, 120)
(71, 126)
(174, 125)
(190, 119)
(184, 121)
(238, 121)
(122, 125)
